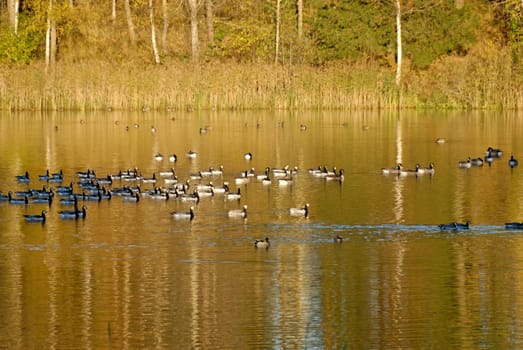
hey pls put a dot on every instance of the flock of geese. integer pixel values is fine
(198, 185)
(491, 154)
(130, 185)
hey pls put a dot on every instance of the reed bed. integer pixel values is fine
(225, 86)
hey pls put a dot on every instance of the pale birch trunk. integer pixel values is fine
(277, 39)
(165, 17)
(16, 10)
(50, 39)
(299, 18)
(130, 24)
(209, 20)
(195, 43)
(398, 38)
(113, 11)
(153, 33)
(12, 12)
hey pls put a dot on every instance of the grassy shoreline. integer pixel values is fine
(224, 86)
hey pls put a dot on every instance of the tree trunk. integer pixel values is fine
(277, 39)
(113, 11)
(209, 20)
(130, 24)
(12, 11)
(165, 25)
(299, 18)
(50, 38)
(399, 51)
(153, 33)
(195, 43)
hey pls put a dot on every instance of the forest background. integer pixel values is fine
(260, 54)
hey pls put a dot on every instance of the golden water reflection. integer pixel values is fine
(130, 277)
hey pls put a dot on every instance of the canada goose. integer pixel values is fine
(477, 161)
(493, 152)
(45, 177)
(191, 154)
(36, 218)
(414, 171)
(338, 239)
(158, 156)
(396, 170)
(262, 243)
(340, 176)
(247, 156)
(466, 164)
(238, 213)
(74, 214)
(427, 170)
(304, 211)
(182, 215)
(23, 178)
(514, 225)
(455, 226)
(13, 200)
(512, 161)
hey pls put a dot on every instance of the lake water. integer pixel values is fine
(131, 276)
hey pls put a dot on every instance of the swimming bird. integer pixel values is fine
(205, 129)
(182, 215)
(427, 170)
(466, 164)
(167, 173)
(134, 197)
(4, 197)
(220, 189)
(493, 152)
(73, 214)
(304, 211)
(44, 177)
(216, 172)
(36, 218)
(72, 200)
(191, 154)
(238, 213)
(340, 176)
(262, 243)
(150, 180)
(460, 226)
(440, 140)
(173, 158)
(338, 239)
(23, 178)
(396, 170)
(455, 226)
(247, 156)
(242, 179)
(477, 161)
(42, 200)
(514, 225)
(158, 156)
(13, 200)
(512, 161)
(414, 171)
(285, 181)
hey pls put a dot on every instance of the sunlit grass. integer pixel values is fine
(455, 84)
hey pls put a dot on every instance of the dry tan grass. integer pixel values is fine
(454, 83)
